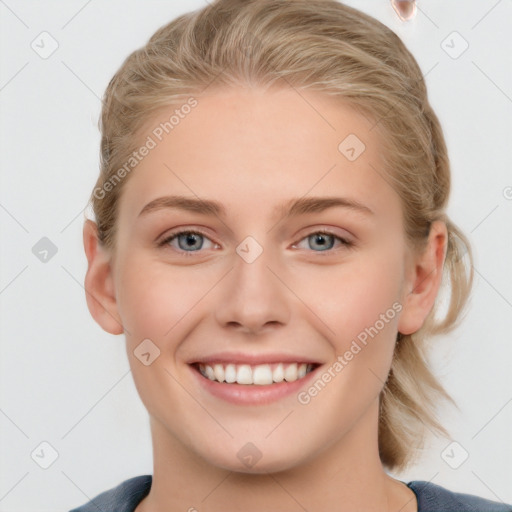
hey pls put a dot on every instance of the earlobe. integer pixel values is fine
(99, 282)
(425, 280)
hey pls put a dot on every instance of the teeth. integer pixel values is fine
(261, 375)
(209, 372)
(244, 374)
(278, 373)
(230, 374)
(290, 373)
(218, 371)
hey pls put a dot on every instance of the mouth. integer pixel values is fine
(258, 375)
(241, 383)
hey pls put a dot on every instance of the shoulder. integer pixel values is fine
(433, 498)
(123, 498)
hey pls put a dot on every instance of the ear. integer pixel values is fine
(99, 282)
(424, 280)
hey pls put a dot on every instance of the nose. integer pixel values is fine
(254, 297)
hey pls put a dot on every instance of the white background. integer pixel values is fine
(66, 382)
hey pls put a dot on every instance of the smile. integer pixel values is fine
(262, 374)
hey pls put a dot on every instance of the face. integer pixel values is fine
(257, 242)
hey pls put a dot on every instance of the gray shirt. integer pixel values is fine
(431, 498)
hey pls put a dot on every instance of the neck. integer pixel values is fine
(346, 476)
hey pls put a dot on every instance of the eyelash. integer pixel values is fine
(165, 242)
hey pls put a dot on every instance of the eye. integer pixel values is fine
(187, 241)
(321, 241)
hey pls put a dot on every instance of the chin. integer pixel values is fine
(249, 459)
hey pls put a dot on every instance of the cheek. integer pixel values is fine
(353, 298)
(158, 302)
(362, 312)
(154, 297)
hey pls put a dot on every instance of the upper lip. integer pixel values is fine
(252, 359)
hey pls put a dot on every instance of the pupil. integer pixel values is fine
(322, 241)
(192, 241)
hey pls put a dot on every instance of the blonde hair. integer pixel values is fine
(329, 47)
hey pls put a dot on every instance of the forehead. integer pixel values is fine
(247, 147)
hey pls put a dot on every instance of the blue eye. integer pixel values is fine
(188, 241)
(321, 241)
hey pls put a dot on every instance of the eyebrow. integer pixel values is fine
(300, 206)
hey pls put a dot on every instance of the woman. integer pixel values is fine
(271, 237)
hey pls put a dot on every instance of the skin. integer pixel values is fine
(253, 150)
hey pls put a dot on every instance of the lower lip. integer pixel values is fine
(252, 394)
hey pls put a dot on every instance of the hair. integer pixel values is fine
(329, 47)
